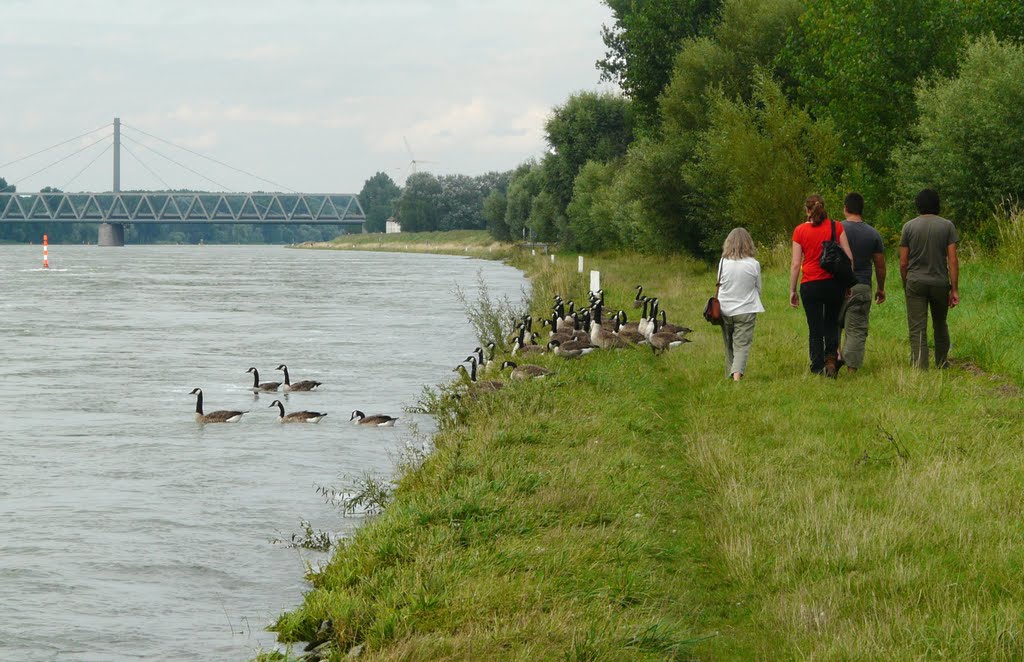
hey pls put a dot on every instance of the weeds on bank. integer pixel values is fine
(492, 319)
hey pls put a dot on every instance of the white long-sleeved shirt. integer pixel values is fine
(740, 291)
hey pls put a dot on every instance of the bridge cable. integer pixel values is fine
(208, 158)
(180, 165)
(143, 164)
(92, 144)
(88, 165)
(65, 142)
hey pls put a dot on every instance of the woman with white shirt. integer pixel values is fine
(739, 293)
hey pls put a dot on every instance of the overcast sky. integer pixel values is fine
(315, 95)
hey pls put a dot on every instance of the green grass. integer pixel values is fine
(642, 507)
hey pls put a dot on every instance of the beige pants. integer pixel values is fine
(738, 334)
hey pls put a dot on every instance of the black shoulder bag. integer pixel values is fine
(713, 309)
(835, 261)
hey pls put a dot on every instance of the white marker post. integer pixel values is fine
(552, 258)
(533, 252)
(595, 281)
(579, 264)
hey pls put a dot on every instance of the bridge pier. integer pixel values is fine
(111, 234)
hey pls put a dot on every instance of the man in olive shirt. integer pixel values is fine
(931, 275)
(866, 245)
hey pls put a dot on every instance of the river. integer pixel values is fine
(129, 531)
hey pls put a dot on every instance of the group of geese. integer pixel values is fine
(574, 333)
(307, 385)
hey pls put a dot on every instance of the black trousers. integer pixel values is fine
(822, 301)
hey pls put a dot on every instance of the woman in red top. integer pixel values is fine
(821, 294)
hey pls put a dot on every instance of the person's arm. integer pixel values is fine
(845, 243)
(879, 259)
(954, 275)
(904, 264)
(759, 282)
(794, 274)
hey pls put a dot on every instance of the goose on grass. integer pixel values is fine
(526, 371)
(219, 416)
(265, 386)
(305, 385)
(297, 416)
(377, 420)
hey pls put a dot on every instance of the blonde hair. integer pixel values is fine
(738, 245)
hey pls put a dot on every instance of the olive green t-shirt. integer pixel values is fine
(928, 237)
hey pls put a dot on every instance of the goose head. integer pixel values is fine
(509, 364)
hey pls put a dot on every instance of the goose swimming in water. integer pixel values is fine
(219, 416)
(378, 420)
(305, 385)
(265, 386)
(297, 416)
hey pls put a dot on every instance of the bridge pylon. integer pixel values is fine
(112, 234)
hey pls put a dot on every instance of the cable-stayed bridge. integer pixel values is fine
(112, 210)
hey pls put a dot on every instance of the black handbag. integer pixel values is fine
(713, 309)
(835, 261)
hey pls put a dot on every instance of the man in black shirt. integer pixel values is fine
(866, 245)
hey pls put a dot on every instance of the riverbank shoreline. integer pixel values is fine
(472, 243)
(642, 507)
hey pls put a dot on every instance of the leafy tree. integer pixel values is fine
(587, 127)
(526, 184)
(419, 206)
(857, 61)
(756, 164)
(378, 199)
(970, 134)
(461, 203)
(495, 205)
(642, 42)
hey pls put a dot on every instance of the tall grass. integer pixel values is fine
(1010, 223)
(641, 507)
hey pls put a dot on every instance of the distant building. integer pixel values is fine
(392, 226)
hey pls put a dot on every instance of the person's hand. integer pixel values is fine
(954, 298)
(849, 293)
(794, 299)
(880, 296)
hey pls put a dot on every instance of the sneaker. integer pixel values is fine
(831, 367)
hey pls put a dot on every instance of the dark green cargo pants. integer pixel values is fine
(855, 315)
(921, 299)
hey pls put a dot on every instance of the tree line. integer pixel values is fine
(733, 111)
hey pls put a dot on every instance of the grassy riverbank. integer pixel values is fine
(642, 507)
(476, 243)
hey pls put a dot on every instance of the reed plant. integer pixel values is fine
(634, 506)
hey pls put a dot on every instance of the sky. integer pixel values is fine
(311, 95)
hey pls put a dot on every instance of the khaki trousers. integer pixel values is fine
(921, 299)
(855, 315)
(738, 334)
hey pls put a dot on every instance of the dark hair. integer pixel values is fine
(927, 202)
(854, 203)
(815, 206)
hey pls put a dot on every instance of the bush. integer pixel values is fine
(968, 140)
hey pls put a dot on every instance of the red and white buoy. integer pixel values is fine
(46, 252)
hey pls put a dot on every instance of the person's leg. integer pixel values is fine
(938, 302)
(858, 309)
(727, 336)
(810, 295)
(917, 324)
(743, 339)
(832, 303)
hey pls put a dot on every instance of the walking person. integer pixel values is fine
(866, 246)
(930, 271)
(821, 294)
(739, 294)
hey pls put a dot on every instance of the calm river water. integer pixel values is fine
(129, 531)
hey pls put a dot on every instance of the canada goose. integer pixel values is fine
(519, 348)
(661, 341)
(265, 386)
(570, 350)
(672, 328)
(629, 335)
(219, 416)
(525, 371)
(305, 385)
(377, 420)
(486, 386)
(605, 339)
(297, 416)
(639, 293)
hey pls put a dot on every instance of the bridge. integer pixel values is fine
(112, 210)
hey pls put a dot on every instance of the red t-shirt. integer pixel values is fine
(810, 238)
